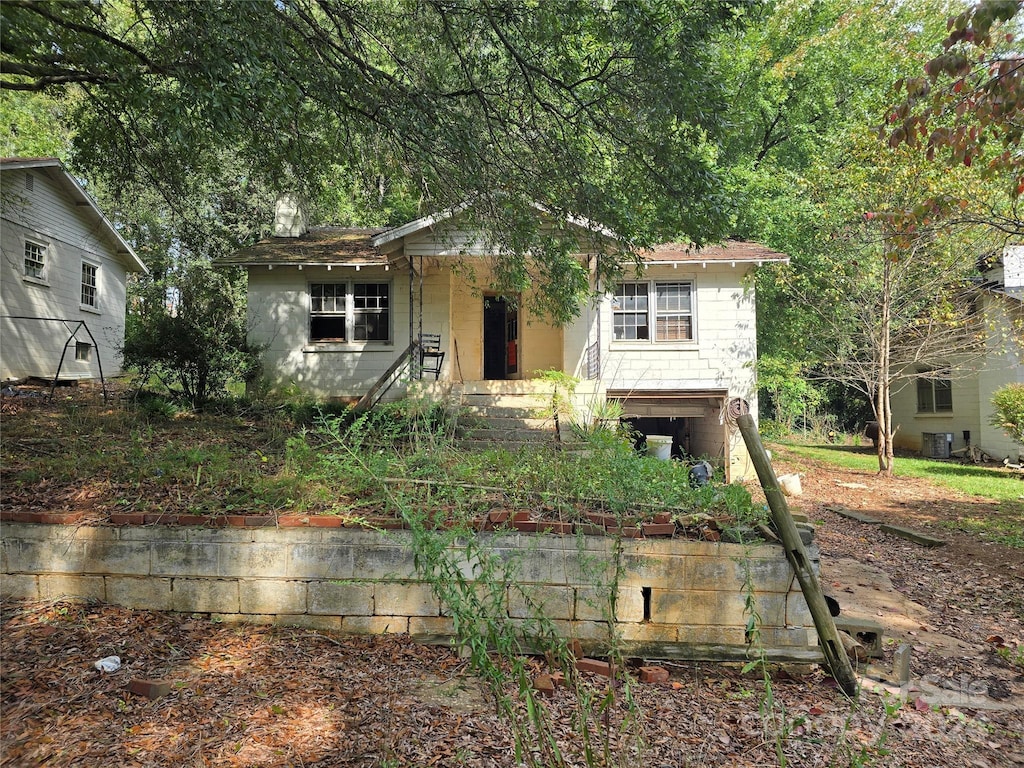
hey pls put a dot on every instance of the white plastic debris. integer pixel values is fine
(790, 484)
(108, 664)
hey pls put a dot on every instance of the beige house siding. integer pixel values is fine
(972, 387)
(1004, 365)
(48, 215)
(278, 317)
(723, 353)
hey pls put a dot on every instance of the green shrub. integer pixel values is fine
(1008, 403)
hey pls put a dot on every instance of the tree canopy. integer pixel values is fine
(608, 111)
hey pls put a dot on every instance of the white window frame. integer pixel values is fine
(43, 261)
(653, 313)
(351, 314)
(95, 306)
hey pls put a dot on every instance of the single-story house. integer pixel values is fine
(941, 414)
(334, 309)
(63, 279)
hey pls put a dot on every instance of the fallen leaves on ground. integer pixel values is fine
(245, 695)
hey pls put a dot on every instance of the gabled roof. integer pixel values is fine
(734, 251)
(320, 245)
(82, 199)
(353, 246)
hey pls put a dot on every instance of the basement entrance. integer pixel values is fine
(501, 338)
(693, 419)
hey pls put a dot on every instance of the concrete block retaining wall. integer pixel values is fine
(684, 599)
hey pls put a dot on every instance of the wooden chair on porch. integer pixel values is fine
(431, 354)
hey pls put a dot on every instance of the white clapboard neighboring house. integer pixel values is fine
(949, 408)
(337, 310)
(62, 285)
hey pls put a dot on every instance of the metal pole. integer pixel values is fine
(835, 655)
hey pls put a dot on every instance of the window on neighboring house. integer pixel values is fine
(83, 351)
(35, 260)
(668, 306)
(934, 393)
(89, 283)
(350, 312)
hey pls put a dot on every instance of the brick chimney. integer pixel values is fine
(290, 218)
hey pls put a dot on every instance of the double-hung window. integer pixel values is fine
(350, 312)
(90, 283)
(35, 260)
(934, 392)
(653, 311)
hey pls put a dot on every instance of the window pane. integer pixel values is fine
(629, 312)
(674, 328)
(89, 285)
(327, 328)
(327, 312)
(943, 395)
(370, 295)
(34, 259)
(327, 297)
(673, 297)
(925, 397)
(372, 320)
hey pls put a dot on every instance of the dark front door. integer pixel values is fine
(501, 338)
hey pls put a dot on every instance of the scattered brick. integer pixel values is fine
(233, 520)
(605, 521)
(653, 675)
(576, 648)
(325, 521)
(127, 518)
(161, 518)
(259, 521)
(663, 517)
(546, 526)
(62, 518)
(558, 679)
(658, 529)
(193, 519)
(589, 529)
(498, 516)
(630, 532)
(292, 521)
(526, 526)
(26, 517)
(544, 685)
(151, 689)
(522, 516)
(595, 666)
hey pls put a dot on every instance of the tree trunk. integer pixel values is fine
(883, 404)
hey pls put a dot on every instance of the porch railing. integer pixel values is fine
(386, 380)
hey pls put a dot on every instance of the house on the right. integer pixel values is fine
(940, 416)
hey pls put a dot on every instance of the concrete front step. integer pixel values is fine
(509, 387)
(506, 445)
(492, 412)
(519, 401)
(511, 435)
(518, 421)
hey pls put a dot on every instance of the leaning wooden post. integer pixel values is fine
(835, 656)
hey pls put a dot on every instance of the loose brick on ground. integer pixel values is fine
(595, 666)
(151, 689)
(544, 685)
(653, 675)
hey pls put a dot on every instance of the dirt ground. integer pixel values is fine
(263, 696)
